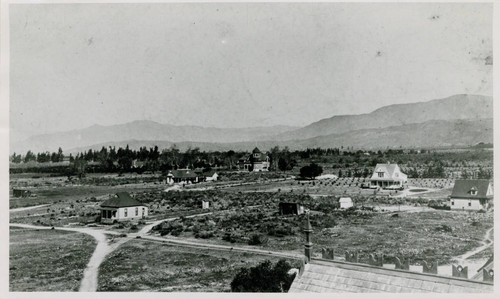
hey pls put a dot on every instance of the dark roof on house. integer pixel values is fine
(209, 173)
(256, 150)
(326, 276)
(122, 200)
(462, 189)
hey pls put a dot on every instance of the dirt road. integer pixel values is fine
(28, 208)
(90, 275)
(487, 242)
(223, 247)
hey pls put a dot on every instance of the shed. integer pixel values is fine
(345, 202)
(291, 208)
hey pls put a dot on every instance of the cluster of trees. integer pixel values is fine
(480, 174)
(431, 171)
(264, 277)
(311, 171)
(349, 162)
(40, 157)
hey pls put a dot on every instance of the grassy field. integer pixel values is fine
(48, 261)
(142, 265)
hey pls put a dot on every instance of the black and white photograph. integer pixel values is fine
(247, 147)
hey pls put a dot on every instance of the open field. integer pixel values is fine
(48, 260)
(142, 265)
(418, 234)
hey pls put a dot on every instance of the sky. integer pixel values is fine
(237, 64)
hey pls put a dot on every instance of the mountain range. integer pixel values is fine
(459, 120)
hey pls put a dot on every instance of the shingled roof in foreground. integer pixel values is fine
(327, 276)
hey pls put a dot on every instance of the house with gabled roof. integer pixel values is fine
(257, 161)
(122, 207)
(388, 176)
(183, 176)
(472, 195)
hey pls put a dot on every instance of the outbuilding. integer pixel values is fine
(345, 202)
(122, 207)
(291, 208)
(471, 195)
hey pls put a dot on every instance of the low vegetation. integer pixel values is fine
(47, 260)
(142, 265)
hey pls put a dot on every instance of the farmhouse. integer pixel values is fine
(388, 176)
(122, 207)
(257, 161)
(471, 195)
(345, 202)
(206, 175)
(328, 274)
(182, 176)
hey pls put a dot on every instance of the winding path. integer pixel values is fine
(487, 242)
(103, 248)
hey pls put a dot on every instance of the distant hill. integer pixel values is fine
(461, 120)
(434, 133)
(454, 107)
(142, 130)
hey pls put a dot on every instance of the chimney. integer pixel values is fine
(308, 245)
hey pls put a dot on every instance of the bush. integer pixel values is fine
(257, 239)
(264, 278)
(204, 234)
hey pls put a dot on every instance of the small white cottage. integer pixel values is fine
(345, 202)
(122, 207)
(471, 195)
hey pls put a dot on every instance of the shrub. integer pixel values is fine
(257, 239)
(264, 278)
(204, 234)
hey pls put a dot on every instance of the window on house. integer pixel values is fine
(452, 203)
(136, 211)
(470, 203)
(380, 174)
(126, 213)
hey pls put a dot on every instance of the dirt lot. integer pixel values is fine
(147, 266)
(47, 260)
